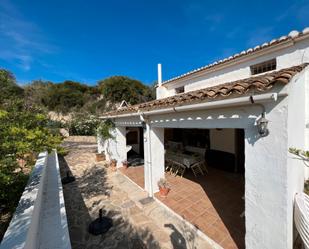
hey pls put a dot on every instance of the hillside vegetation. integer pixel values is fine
(74, 105)
(70, 96)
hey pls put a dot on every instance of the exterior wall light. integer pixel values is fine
(262, 125)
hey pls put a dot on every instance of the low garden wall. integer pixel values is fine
(40, 219)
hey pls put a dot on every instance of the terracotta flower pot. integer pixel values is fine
(100, 157)
(164, 191)
(113, 165)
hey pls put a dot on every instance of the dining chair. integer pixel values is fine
(168, 165)
(196, 169)
(179, 169)
(203, 166)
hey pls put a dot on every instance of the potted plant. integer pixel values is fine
(113, 164)
(164, 187)
(125, 164)
(100, 156)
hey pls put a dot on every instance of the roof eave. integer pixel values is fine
(240, 59)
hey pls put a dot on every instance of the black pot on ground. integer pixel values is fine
(100, 225)
(67, 179)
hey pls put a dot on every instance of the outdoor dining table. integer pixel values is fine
(184, 158)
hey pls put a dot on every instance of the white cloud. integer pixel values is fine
(20, 40)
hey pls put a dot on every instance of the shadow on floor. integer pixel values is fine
(92, 187)
(225, 191)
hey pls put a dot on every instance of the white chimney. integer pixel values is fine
(159, 75)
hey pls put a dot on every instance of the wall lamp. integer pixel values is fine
(262, 125)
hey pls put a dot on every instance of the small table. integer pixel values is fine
(186, 159)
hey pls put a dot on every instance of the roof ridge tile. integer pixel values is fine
(292, 35)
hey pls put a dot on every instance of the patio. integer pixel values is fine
(136, 174)
(213, 203)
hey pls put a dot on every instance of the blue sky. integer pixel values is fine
(90, 40)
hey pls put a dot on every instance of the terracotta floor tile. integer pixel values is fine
(213, 203)
(229, 243)
(198, 208)
(176, 197)
(217, 235)
(194, 198)
(221, 226)
(136, 174)
(189, 215)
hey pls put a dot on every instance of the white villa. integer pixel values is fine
(241, 115)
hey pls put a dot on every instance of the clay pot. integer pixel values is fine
(164, 191)
(113, 165)
(100, 157)
(125, 165)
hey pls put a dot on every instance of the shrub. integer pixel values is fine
(83, 125)
(23, 134)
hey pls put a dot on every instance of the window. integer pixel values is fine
(263, 67)
(180, 89)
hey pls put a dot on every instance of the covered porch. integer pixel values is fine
(229, 214)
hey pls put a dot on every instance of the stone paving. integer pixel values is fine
(135, 225)
(94, 189)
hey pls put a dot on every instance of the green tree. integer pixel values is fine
(118, 88)
(36, 92)
(23, 134)
(8, 86)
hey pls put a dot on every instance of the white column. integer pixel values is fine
(154, 157)
(266, 186)
(100, 143)
(157, 156)
(147, 160)
(121, 145)
(116, 148)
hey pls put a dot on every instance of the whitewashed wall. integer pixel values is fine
(297, 137)
(116, 148)
(270, 176)
(306, 91)
(223, 140)
(157, 156)
(287, 56)
(266, 165)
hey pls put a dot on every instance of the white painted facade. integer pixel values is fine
(223, 140)
(288, 54)
(272, 176)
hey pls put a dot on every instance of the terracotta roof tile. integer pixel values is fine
(260, 83)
